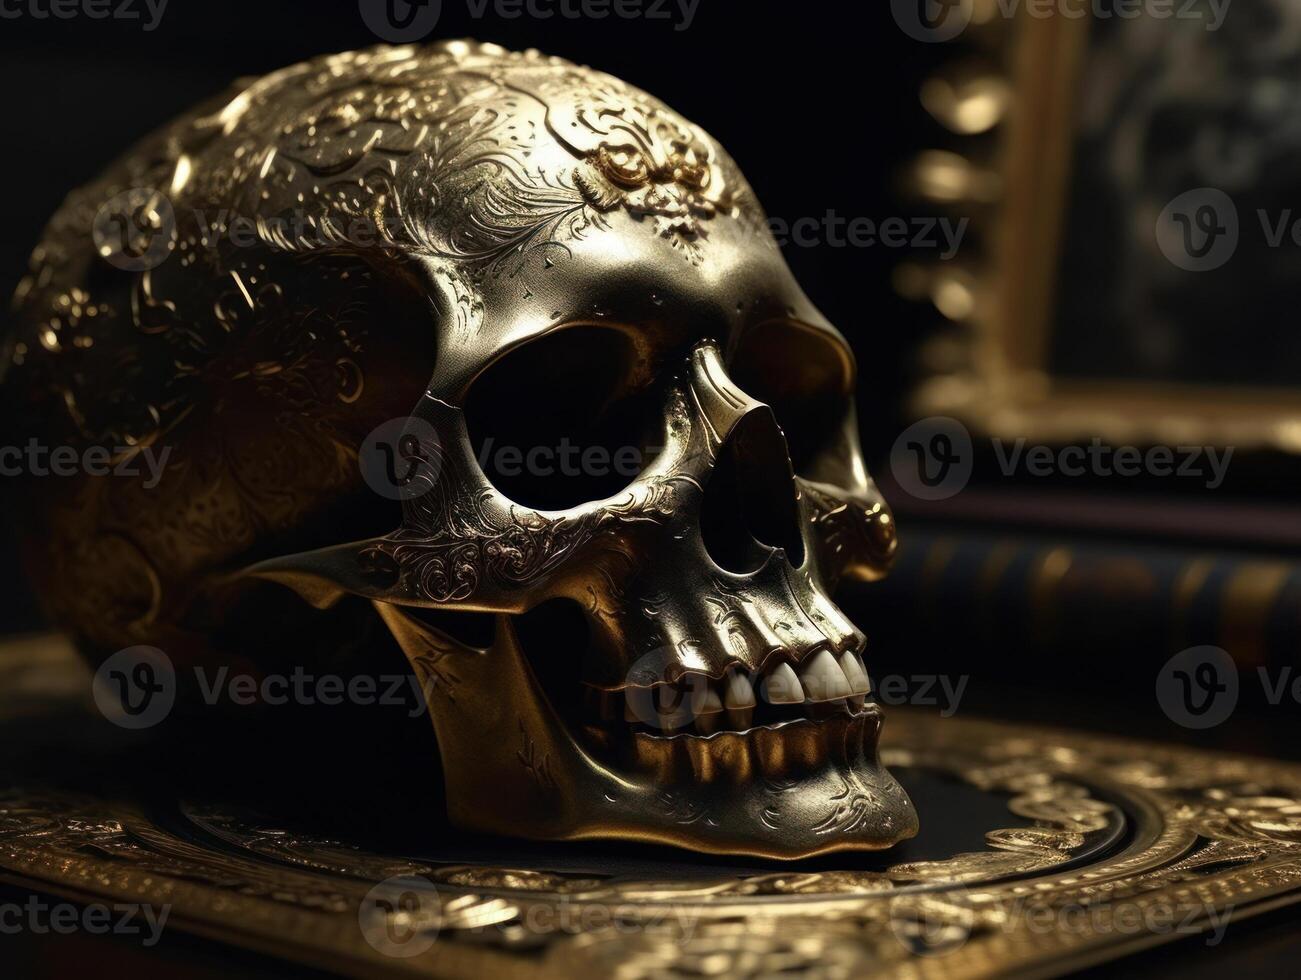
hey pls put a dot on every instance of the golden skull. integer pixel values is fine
(497, 249)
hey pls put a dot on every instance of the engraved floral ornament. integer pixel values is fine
(431, 224)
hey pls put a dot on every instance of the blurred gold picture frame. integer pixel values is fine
(991, 369)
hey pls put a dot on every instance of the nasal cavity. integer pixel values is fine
(750, 498)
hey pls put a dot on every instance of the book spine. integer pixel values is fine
(1019, 599)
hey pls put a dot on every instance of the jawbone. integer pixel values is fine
(513, 767)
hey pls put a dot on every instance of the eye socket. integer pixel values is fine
(565, 419)
(805, 375)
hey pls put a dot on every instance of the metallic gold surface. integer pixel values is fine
(418, 211)
(1097, 847)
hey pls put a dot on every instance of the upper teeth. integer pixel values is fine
(737, 692)
(705, 699)
(854, 673)
(822, 677)
(783, 687)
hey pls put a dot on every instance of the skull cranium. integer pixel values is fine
(572, 258)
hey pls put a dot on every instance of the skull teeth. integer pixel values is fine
(824, 684)
(740, 719)
(854, 673)
(706, 700)
(823, 679)
(783, 687)
(737, 690)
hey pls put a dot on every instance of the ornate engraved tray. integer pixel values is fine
(1040, 852)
